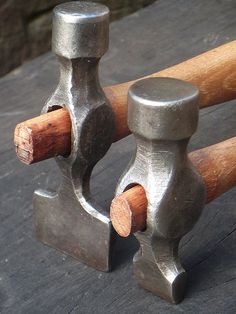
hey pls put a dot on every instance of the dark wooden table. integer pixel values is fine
(38, 279)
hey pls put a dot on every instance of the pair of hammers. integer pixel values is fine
(67, 220)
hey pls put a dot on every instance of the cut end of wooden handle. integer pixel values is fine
(121, 216)
(129, 211)
(43, 137)
(23, 143)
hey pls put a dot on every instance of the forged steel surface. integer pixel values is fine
(67, 219)
(163, 115)
(80, 29)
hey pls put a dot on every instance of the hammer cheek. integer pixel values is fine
(97, 133)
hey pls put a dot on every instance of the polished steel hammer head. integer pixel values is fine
(163, 109)
(163, 114)
(80, 22)
(68, 219)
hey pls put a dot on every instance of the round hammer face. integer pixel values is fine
(163, 109)
(80, 29)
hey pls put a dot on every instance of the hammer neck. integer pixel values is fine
(79, 78)
(164, 148)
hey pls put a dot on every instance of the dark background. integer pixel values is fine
(25, 27)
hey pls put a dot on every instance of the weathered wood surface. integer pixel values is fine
(38, 279)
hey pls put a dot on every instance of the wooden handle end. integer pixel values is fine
(23, 143)
(128, 211)
(43, 137)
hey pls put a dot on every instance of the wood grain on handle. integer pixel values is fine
(42, 137)
(217, 166)
(214, 72)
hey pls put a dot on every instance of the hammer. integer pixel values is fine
(49, 135)
(68, 219)
(161, 194)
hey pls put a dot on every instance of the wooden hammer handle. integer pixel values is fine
(43, 137)
(217, 166)
(214, 72)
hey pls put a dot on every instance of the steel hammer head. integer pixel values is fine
(163, 114)
(163, 109)
(80, 22)
(69, 219)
